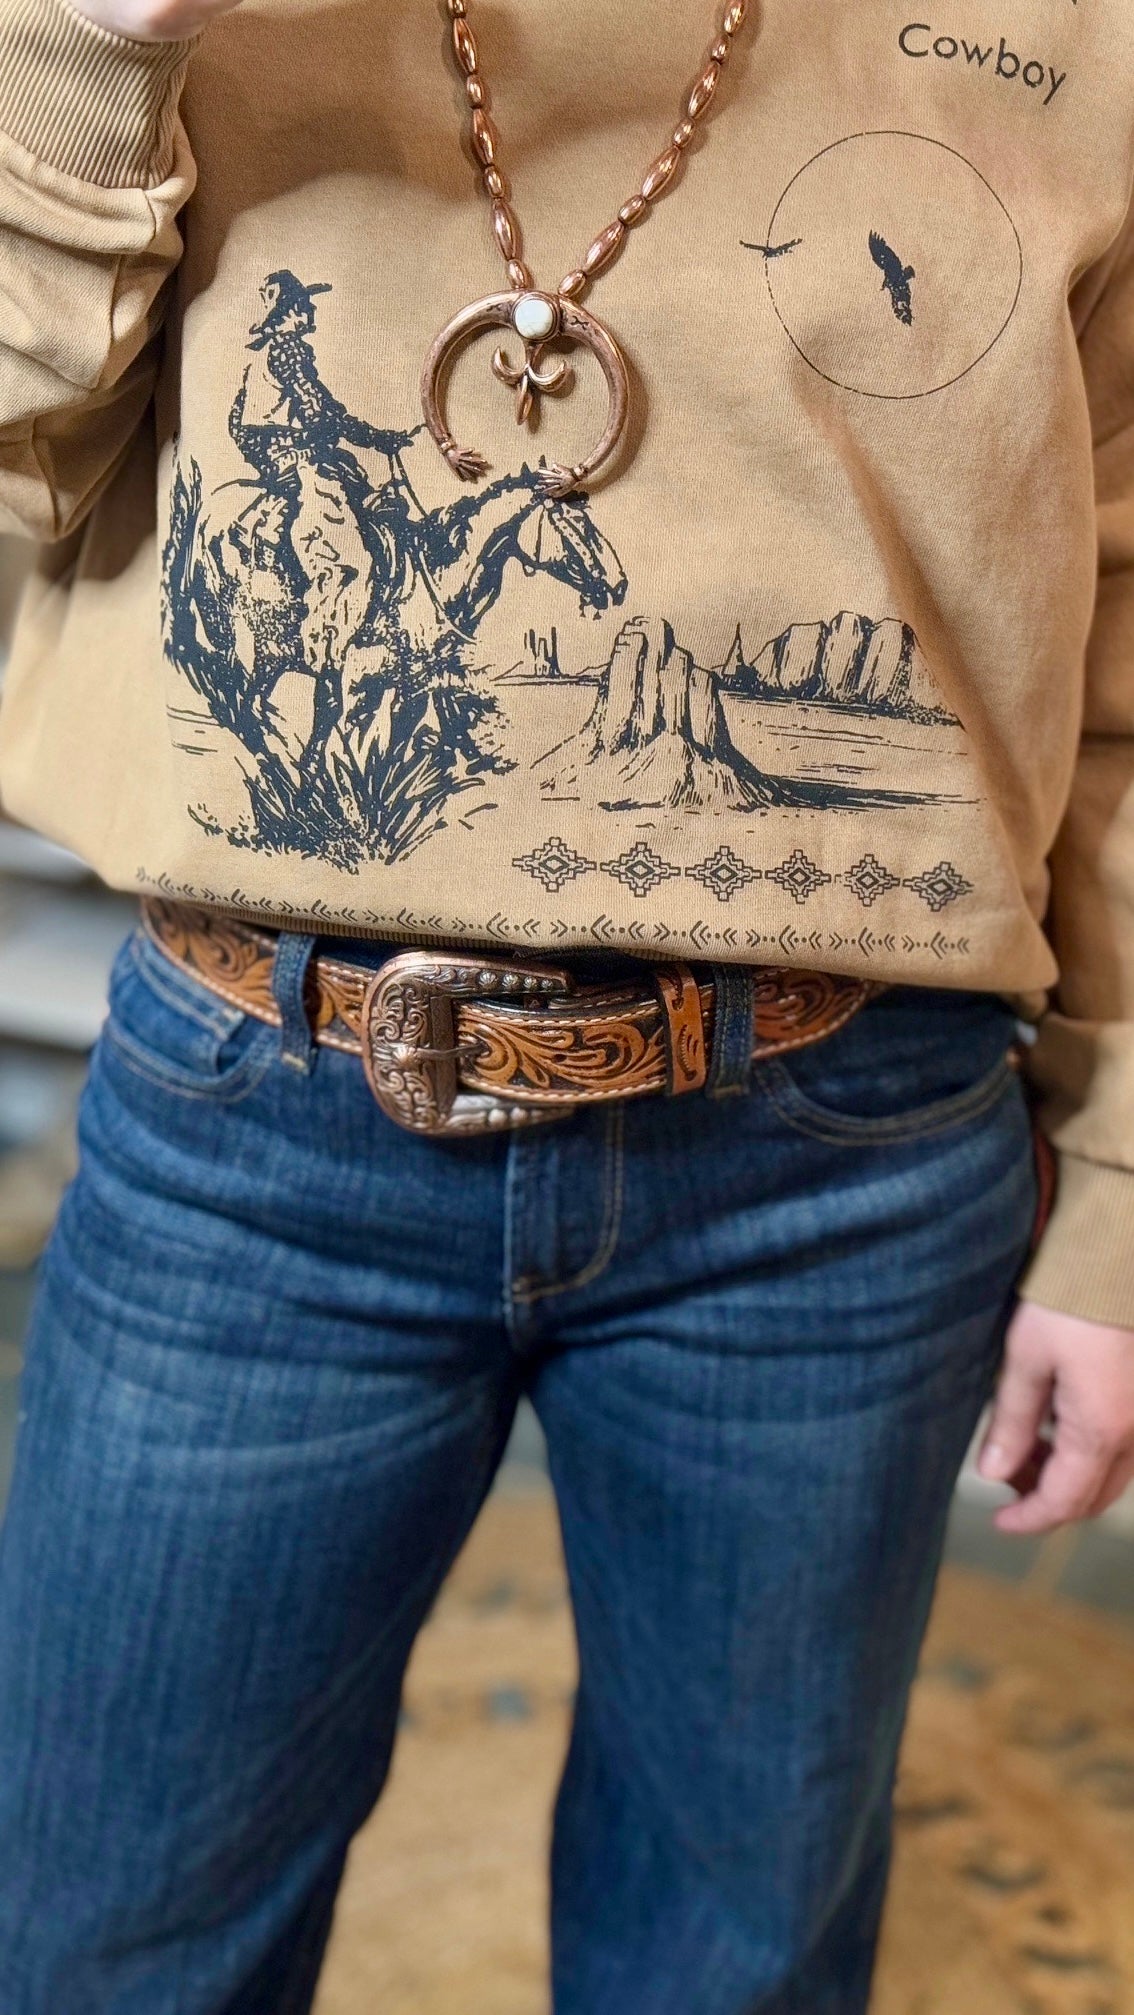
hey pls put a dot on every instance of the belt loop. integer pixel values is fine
(730, 1066)
(683, 1028)
(289, 990)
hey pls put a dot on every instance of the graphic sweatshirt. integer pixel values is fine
(833, 668)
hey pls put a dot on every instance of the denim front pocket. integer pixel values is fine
(169, 1029)
(917, 1061)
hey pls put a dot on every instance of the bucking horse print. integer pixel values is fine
(329, 622)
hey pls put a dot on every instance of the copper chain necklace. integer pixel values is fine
(539, 318)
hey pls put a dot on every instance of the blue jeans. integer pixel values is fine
(276, 1355)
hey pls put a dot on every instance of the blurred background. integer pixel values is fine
(1015, 1870)
(58, 934)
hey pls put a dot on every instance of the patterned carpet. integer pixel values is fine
(1013, 1891)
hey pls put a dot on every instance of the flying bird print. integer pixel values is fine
(895, 277)
(772, 251)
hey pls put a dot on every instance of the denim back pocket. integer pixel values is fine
(917, 1061)
(171, 1030)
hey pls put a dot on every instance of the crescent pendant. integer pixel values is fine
(537, 319)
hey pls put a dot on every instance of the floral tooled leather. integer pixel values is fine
(588, 1044)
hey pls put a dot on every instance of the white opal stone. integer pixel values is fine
(533, 317)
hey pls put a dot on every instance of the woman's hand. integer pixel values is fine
(153, 20)
(1082, 1375)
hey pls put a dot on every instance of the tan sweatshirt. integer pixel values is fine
(834, 667)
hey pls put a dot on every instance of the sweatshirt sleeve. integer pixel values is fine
(1082, 1065)
(94, 167)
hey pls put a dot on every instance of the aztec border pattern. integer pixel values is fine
(640, 870)
(526, 931)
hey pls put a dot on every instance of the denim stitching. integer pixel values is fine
(235, 1084)
(614, 1164)
(838, 1130)
(350, 1678)
(844, 1130)
(192, 997)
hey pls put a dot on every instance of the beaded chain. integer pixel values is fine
(657, 179)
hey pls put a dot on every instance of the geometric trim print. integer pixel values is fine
(724, 874)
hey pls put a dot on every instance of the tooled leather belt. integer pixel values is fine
(456, 1042)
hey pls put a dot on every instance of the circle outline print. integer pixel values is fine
(774, 233)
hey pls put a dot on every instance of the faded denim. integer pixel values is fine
(277, 1351)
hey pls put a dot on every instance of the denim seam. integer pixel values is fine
(794, 1107)
(219, 990)
(99, 1300)
(614, 1188)
(786, 1044)
(799, 1112)
(290, 969)
(228, 1088)
(213, 988)
(220, 1018)
(347, 1681)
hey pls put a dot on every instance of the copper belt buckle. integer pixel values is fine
(409, 1040)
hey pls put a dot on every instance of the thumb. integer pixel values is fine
(1018, 1413)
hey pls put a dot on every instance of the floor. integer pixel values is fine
(1015, 1805)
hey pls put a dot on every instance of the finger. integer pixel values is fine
(1116, 1484)
(1019, 1410)
(1068, 1486)
(1026, 1478)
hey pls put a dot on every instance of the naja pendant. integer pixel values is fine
(537, 319)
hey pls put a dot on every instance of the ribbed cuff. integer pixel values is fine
(93, 104)
(1084, 1264)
